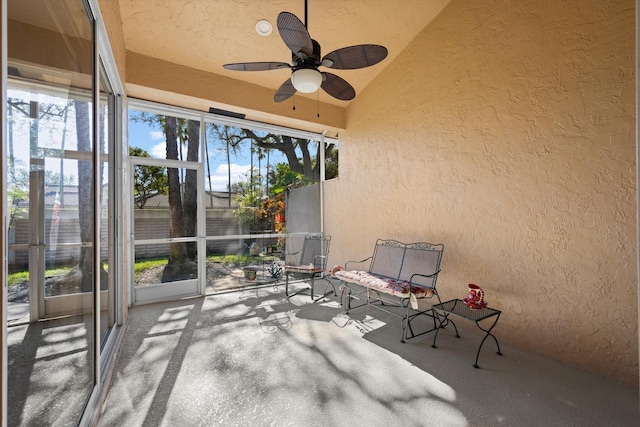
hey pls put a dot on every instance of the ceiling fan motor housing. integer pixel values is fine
(301, 60)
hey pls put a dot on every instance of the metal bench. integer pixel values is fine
(399, 275)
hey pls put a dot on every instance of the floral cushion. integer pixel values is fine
(399, 288)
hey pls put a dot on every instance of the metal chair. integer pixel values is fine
(310, 261)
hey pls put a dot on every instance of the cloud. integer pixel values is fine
(156, 134)
(159, 151)
(220, 178)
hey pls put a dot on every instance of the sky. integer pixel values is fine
(141, 134)
(152, 140)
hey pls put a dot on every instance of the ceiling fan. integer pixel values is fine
(305, 76)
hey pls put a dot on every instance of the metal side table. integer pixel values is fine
(457, 307)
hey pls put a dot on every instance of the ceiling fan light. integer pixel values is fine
(306, 80)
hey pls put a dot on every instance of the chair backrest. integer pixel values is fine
(401, 261)
(315, 250)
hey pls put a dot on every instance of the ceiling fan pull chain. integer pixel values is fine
(318, 102)
(294, 102)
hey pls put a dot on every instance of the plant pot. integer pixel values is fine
(249, 273)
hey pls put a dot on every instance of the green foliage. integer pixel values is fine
(23, 276)
(52, 272)
(248, 198)
(18, 277)
(272, 213)
(148, 181)
(331, 163)
(15, 195)
(283, 176)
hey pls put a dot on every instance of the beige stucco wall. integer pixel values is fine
(506, 131)
(175, 84)
(110, 13)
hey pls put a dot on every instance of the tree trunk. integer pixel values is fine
(190, 203)
(175, 268)
(85, 196)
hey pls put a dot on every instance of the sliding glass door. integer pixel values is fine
(61, 208)
(166, 195)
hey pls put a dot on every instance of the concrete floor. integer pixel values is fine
(256, 358)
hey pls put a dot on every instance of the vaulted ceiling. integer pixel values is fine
(171, 44)
(205, 34)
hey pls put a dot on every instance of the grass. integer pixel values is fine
(19, 277)
(23, 276)
(240, 259)
(144, 265)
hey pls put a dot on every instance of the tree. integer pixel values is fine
(190, 208)
(223, 134)
(148, 181)
(331, 163)
(248, 198)
(85, 196)
(178, 265)
(283, 177)
(307, 164)
(182, 207)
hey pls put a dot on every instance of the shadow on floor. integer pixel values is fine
(255, 357)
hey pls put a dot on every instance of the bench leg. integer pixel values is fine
(405, 326)
(346, 299)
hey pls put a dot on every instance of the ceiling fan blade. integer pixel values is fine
(337, 87)
(284, 92)
(256, 66)
(353, 57)
(294, 34)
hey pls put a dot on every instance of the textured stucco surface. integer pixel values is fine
(204, 34)
(175, 84)
(506, 131)
(110, 13)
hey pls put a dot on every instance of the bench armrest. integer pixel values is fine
(423, 275)
(346, 265)
(433, 288)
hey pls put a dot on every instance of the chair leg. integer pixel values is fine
(312, 293)
(286, 284)
(312, 284)
(333, 287)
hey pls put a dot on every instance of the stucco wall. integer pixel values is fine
(505, 130)
(110, 13)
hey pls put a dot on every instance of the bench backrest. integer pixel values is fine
(401, 261)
